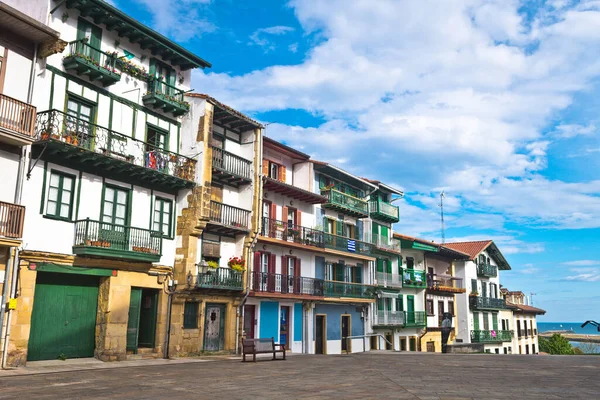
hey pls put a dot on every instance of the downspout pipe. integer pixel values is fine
(13, 290)
(4, 302)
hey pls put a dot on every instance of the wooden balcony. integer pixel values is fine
(292, 233)
(491, 336)
(413, 278)
(230, 169)
(444, 284)
(487, 303)
(79, 144)
(12, 217)
(383, 211)
(221, 279)
(100, 239)
(487, 270)
(288, 285)
(17, 121)
(85, 60)
(227, 220)
(345, 203)
(166, 98)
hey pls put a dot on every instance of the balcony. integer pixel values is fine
(389, 318)
(11, 220)
(227, 220)
(17, 121)
(85, 60)
(166, 98)
(491, 336)
(230, 169)
(100, 239)
(288, 285)
(413, 278)
(291, 233)
(487, 303)
(444, 284)
(91, 148)
(415, 318)
(487, 270)
(389, 279)
(383, 211)
(346, 204)
(342, 243)
(346, 289)
(220, 278)
(385, 243)
(277, 186)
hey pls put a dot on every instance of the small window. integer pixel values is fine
(410, 263)
(430, 307)
(156, 139)
(163, 212)
(451, 307)
(190, 315)
(60, 195)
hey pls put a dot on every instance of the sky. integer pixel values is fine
(493, 101)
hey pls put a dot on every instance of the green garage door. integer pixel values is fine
(63, 320)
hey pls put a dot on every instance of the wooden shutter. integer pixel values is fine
(400, 303)
(339, 272)
(271, 279)
(265, 167)
(475, 321)
(400, 265)
(388, 266)
(284, 215)
(282, 173)
(298, 218)
(284, 266)
(272, 263)
(358, 232)
(358, 273)
(339, 228)
(379, 265)
(380, 304)
(256, 266)
(297, 268)
(273, 211)
(297, 276)
(495, 321)
(474, 285)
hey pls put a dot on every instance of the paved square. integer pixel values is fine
(358, 376)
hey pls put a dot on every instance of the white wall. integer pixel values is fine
(9, 165)
(16, 80)
(36, 9)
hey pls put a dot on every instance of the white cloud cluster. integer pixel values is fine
(263, 37)
(454, 94)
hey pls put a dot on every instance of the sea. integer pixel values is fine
(575, 327)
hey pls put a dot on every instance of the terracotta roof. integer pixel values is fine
(274, 144)
(383, 185)
(471, 248)
(226, 108)
(525, 308)
(442, 248)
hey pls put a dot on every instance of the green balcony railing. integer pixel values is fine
(487, 270)
(487, 303)
(492, 336)
(384, 211)
(347, 244)
(346, 289)
(165, 97)
(415, 318)
(220, 278)
(95, 238)
(414, 278)
(345, 203)
(89, 61)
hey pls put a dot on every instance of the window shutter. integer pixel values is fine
(339, 272)
(475, 321)
(152, 70)
(284, 266)
(388, 266)
(380, 304)
(473, 285)
(81, 25)
(282, 173)
(298, 218)
(400, 303)
(325, 224)
(284, 215)
(358, 274)
(379, 265)
(172, 78)
(339, 228)
(273, 211)
(297, 269)
(256, 266)
(495, 321)
(265, 167)
(272, 262)
(358, 232)
(400, 265)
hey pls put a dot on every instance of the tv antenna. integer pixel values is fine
(532, 294)
(442, 196)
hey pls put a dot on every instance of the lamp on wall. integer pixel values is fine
(291, 251)
(291, 202)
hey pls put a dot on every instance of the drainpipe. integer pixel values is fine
(240, 309)
(168, 330)
(13, 291)
(4, 302)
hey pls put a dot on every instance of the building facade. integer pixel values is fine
(524, 322)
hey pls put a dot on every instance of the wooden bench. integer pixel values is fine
(261, 346)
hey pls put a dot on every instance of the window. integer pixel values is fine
(486, 322)
(533, 349)
(336, 272)
(60, 195)
(156, 138)
(518, 328)
(190, 315)
(497, 351)
(430, 307)
(273, 171)
(163, 211)
(3, 54)
(356, 274)
(92, 36)
(410, 263)
(80, 116)
(451, 307)
(474, 285)
(165, 76)
(116, 206)
(399, 303)
(505, 350)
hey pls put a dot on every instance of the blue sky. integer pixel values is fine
(494, 101)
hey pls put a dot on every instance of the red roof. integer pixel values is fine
(471, 248)
(525, 308)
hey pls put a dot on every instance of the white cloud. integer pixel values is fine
(262, 37)
(567, 131)
(293, 47)
(585, 275)
(582, 263)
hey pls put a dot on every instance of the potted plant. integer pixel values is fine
(236, 264)
(474, 294)
(213, 265)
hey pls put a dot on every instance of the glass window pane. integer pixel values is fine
(109, 194)
(156, 226)
(121, 211)
(67, 182)
(120, 221)
(51, 208)
(53, 194)
(54, 180)
(121, 197)
(64, 211)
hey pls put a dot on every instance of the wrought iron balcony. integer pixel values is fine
(286, 284)
(413, 278)
(291, 233)
(415, 318)
(383, 211)
(220, 278)
(347, 244)
(487, 270)
(487, 303)
(384, 242)
(11, 220)
(492, 336)
(389, 279)
(346, 204)
(62, 138)
(227, 220)
(94, 238)
(166, 98)
(85, 60)
(230, 169)
(346, 289)
(389, 318)
(445, 283)
(17, 121)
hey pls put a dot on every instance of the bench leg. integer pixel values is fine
(284, 354)
(254, 357)
(244, 358)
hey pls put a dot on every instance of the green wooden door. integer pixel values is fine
(147, 330)
(214, 327)
(63, 320)
(133, 322)
(410, 309)
(475, 321)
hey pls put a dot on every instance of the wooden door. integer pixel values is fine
(133, 321)
(440, 312)
(148, 314)
(346, 329)
(249, 321)
(320, 334)
(431, 347)
(410, 309)
(284, 326)
(63, 319)
(214, 327)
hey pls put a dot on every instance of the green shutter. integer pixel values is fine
(473, 285)
(172, 77)
(358, 273)
(384, 231)
(475, 321)
(388, 266)
(339, 272)
(400, 265)
(152, 69)
(339, 228)
(375, 229)
(379, 265)
(495, 321)
(380, 305)
(400, 303)
(81, 25)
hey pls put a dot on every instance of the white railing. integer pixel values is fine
(388, 279)
(387, 317)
